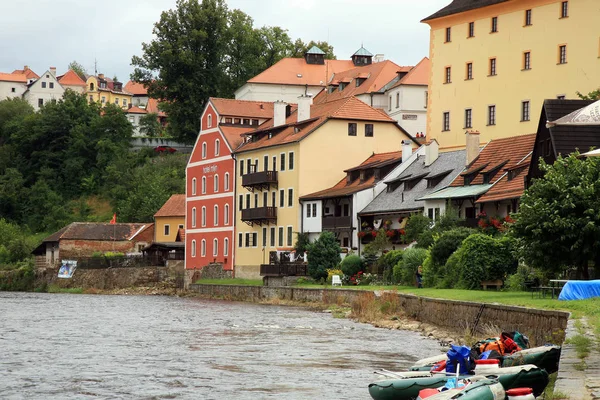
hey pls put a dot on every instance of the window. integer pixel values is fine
(226, 215)
(525, 110)
(290, 236)
(226, 247)
(274, 163)
(43, 85)
(193, 217)
(272, 242)
(203, 184)
(246, 121)
(91, 86)
(193, 248)
(40, 102)
(209, 121)
(397, 99)
(448, 77)
(426, 98)
(491, 115)
(468, 118)
(265, 163)
(226, 182)
(492, 67)
(264, 238)
(203, 248)
(281, 198)
(124, 102)
(314, 210)
(215, 247)
(282, 162)
(469, 71)
(494, 25)
(241, 167)
(562, 54)
(247, 200)
(351, 128)
(241, 202)
(255, 200)
(117, 101)
(564, 9)
(204, 150)
(368, 130)
(237, 121)
(448, 35)
(91, 98)
(446, 121)
(273, 196)
(254, 122)
(180, 226)
(203, 216)
(193, 186)
(247, 239)
(103, 100)
(527, 60)
(390, 104)
(471, 29)
(216, 215)
(281, 236)
(216, 183)
(290, 197)
(167, 229)
(240, 239)
(51, 85)
(527, 17)
(13, 90)
(291, 160)
(217, 147)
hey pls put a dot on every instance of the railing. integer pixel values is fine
(337, 222)
(259, 178)
(291, 269)
(259, 213)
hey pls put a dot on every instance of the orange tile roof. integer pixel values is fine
(22, 78)
(136, 110)
(152, 107)
(242, 108)
(174, 207)
(419, 75)
(180, 235)
(136, 88)
(505, 189)
(295, 71)
(27, 72)
(512, 151)
(378, 159)
(70, 78)
(234, 133)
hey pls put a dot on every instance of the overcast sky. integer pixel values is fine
(44, 33)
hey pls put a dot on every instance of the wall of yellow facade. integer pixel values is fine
(159, 228)
(110, 97)
(546, 79)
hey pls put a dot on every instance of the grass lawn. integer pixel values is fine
(236, 281)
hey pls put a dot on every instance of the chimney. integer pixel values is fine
(101, 76)
(279, 113)
(304, 103)
(431, 152)
(53, 71)
(406, 150)
(472, 145)
(26, 68)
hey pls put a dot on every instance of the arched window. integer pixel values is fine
(203, 216)
(194, 217)
(226, 247)
(209, 120)
(204, 150)
(216, 183)
(226, 215)
(203, 184)
(226, 182)
(193, 248)
(193, 186)
(215, 247)
(216, 217)
(92, 86)
(217, 147)
(203, 248)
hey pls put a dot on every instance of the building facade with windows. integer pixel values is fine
(500, 59)
(210, 180)
(104, 90)
(292, 156)
(170, 219)
(44, 89)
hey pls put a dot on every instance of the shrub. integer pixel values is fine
(387, 262)
(351, 265)
(429, 274)
(417, 224)
(323, 254)
(332, 272)
(406, 268)
(425, 239)
(448, 243)
(449, 275)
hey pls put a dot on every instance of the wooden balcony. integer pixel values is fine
(336, 223)
(259, 215)
(259, 180)
(291, 269)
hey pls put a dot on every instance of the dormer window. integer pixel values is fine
(468, 179)
(359, 81)
(342, 86)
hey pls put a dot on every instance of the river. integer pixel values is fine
(63, 346)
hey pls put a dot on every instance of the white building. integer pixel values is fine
(12, 85)
(44, 89)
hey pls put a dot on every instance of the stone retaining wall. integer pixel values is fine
(542, 326)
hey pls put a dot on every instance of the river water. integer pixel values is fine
(62, 346)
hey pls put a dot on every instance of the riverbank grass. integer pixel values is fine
(234, 281)
(57, 289)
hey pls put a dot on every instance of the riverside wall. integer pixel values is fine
(541, 326)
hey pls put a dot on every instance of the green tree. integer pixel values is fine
(323, 254)
(12, 110)
(558, 224)
(299, 48)
(150, 126)
(351, 265)
(416, 225)
(405, 270)
(276, 44)
(593, 95)
(302, 243)
(78, 69)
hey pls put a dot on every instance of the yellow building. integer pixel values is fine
(170, 219)
(294, 154)
(495, 61)
(105, 90)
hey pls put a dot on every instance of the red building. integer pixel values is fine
(210, 180)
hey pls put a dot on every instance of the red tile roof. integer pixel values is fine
(136, 88)
(233, 134)
(136, 110)
(21, 78)
(419, 75)
(98, 231)
(27, 72)
(242, 108)
(152, 107)
(174, 207)
(506, 152)
(70, 78)
(505, 189)
(295, 71)
(349, 108)
(379, 159)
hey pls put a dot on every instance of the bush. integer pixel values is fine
(406, 268)
(449, 275)
(351, 265)
(323, 254)
(387, 262)
(417, 224)
(425, 239)
(332, 272)
(448, 243)
(20, 279)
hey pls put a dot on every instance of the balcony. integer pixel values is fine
(259, 215)
(291, 269)
(259, 180)
(336, 223)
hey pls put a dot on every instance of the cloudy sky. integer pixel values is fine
(44, 33)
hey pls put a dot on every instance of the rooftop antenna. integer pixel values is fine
(95, 67)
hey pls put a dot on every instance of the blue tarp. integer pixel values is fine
(579, 290)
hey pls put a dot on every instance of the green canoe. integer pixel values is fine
(486, 389)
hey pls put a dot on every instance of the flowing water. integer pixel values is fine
(62, 346)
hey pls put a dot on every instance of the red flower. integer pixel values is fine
(508, 219)
(482, 224)
(402, 232)
(374, 233)
(495, 223)
(360, 272)
(390, 233)
(361, 234)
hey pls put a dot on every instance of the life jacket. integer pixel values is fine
(510, 346)
(495, 345)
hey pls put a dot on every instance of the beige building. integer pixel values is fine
(170, 219)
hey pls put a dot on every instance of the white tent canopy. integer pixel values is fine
(593, 153)
(589, 115)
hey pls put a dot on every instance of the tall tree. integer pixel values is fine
(299, 48)
(150, 126)
(78, 69)
(277, 44)
(593, 95)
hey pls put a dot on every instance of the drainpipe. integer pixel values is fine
(233, 243)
